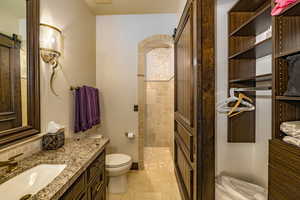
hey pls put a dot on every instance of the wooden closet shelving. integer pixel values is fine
(247, 19)
(256, 24)
(258, 50)
(284, 159)
(259, 78)
(286, 98)
(288, 53)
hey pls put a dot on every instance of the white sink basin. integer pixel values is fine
(30, 181)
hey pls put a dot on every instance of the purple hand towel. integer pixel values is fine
(87, 108)
(83, 109)
(97, 119)
(77, 127)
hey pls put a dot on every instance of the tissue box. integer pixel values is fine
(53, 141)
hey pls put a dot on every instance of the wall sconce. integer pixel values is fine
(50, 48)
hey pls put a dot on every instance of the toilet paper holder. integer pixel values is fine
(130, 135)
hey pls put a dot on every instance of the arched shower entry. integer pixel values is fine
(155, 93)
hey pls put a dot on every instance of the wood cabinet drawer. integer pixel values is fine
(284, 184)
(186, 139)
(76, 190)
(285, 155)
(184, 172)
(96, 168)
(277, 193)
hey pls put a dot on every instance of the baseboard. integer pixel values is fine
(135, 166)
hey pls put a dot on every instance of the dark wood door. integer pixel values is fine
(194, 101)
(10, 83)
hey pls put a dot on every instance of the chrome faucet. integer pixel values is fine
(11, 163)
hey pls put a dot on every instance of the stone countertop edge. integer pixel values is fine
(76, 154)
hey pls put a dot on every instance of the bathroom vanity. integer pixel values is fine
(83, 178)
(91, 185)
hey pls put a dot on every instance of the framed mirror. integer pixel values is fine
(19, 70)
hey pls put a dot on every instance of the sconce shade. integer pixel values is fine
(50, 39)
(51, 47)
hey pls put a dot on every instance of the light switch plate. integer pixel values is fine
(136, 108)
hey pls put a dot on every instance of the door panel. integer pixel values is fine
(184, 172)
(10, 84)
(184, 107)
(186, 139)
(195, 101)
(184, 89)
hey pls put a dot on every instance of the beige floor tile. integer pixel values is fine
(156, 182)
(147, 196)
(115, 197)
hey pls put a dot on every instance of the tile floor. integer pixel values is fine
(156, 182)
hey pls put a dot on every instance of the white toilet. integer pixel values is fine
(117, 166)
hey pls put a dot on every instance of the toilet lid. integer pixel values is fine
(117, 160)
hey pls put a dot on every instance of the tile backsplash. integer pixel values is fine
(34, 145)
(27, 148)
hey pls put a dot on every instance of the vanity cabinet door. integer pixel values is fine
(84, 196)
(77, 189)
(96, 176)
(97, 190)
(97, 168)
(91, 185)
(102, 194)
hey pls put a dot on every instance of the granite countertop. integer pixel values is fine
(76, 154)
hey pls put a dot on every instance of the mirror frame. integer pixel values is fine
(12, 136)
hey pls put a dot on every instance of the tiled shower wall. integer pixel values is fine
(159, 98)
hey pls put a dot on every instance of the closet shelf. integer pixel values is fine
(259, 78)
(257, 24)
(288, 53)
(292, 10)
(247, 6)
(258, 50)
(287, 98)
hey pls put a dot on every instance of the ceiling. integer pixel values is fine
(132, 6)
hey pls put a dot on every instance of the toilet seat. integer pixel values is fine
(117, 160)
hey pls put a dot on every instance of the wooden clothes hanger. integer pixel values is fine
(224, 108)
(234, 111)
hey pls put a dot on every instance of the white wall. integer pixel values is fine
(263, 125)
(181, 5)
(247, 161)
(78, 63)
(9, 23)
(117, 53)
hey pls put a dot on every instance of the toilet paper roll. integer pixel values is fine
(130, 135)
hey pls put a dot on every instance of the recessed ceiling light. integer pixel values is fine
(103, 1)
